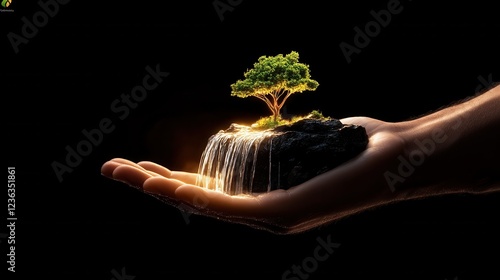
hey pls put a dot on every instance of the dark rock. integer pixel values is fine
(297, 153)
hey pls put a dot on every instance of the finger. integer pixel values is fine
(162, 186)
(154, 174)
(225, 205)
(128, 162)
(368, 123)
(108, 168)
(125, 161)
(131, 175)
(353, 120)
(186, 177)
(151, 166)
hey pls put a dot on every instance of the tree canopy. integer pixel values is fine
(273, 79)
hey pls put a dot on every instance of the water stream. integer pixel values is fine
(230, 159)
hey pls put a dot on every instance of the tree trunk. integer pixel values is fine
(276, 114)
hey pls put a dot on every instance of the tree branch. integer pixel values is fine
(267, 101)
(284, 99)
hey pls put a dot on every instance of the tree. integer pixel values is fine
(273, 79)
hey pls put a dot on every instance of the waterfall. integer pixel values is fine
(229, 161)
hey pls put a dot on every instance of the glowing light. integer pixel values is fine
(229, 160)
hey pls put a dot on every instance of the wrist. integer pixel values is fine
(454, 150)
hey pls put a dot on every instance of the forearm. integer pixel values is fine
(456, 149)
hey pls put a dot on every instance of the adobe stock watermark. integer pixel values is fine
(121, 107)
(31, 27)
(363, 36)
(223, 6)
(187, 211)
(484, 83)
(122, 275)
(310, 264)
(426, 147)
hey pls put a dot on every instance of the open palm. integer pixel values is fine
(349, 188)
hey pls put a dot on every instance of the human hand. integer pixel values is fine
(354, 186)
(453, 149)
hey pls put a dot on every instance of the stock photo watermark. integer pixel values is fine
(426, 147)
(221, 7)
(484, 83)
(122, 275)
(121, 107)
(310, 264)
(30, 28)
(11, 219)
(363, 36)
(187, 211)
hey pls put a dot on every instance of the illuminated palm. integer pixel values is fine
(465, 161)
(349, 188)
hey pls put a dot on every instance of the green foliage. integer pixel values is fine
(315, 114)
(269, 122)
(273, 79)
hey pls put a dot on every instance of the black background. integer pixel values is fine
(87, 226)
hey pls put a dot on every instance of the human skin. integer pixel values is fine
(453, 150)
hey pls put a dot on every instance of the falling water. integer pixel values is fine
(229, 161)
